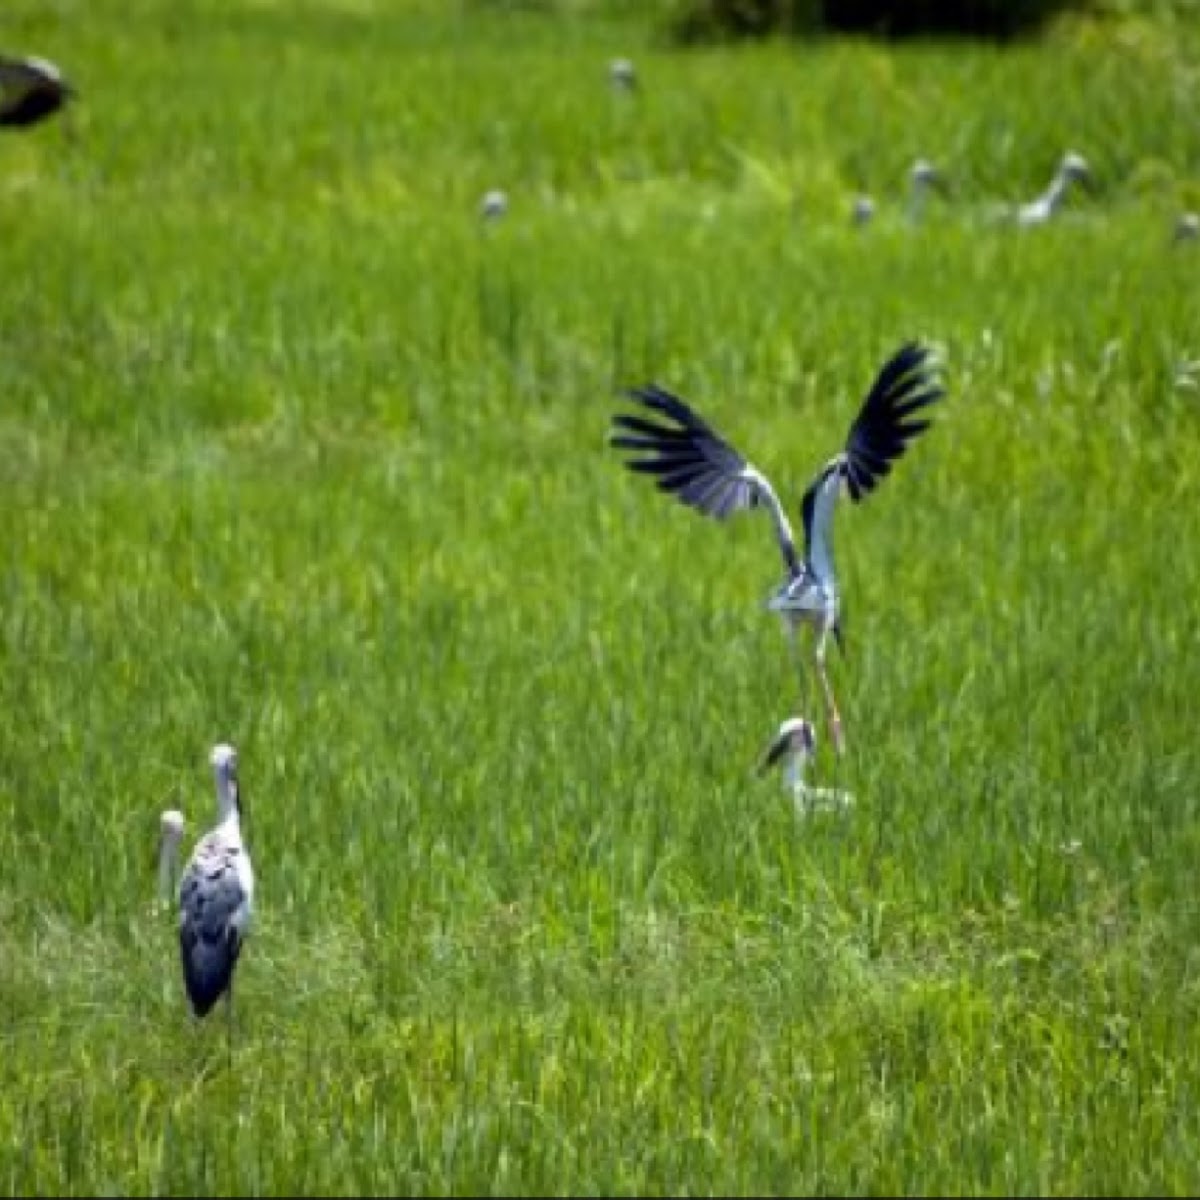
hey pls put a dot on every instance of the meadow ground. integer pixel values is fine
(296, 452)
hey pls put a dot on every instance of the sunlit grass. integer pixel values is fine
(295, 452)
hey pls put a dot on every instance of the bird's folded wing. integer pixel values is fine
(212, 895)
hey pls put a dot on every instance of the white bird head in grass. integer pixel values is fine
(795, 738)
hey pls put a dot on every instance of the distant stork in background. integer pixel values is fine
(794, 745)
(689, 458)
(216, 897)
(493, 205)
(31, 89)
(863, 210)
(1072, 169)
(622, 75)
(922, 176)
(1187, 227)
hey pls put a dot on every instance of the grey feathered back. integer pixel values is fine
(210, 896)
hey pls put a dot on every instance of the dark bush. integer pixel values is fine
(716, 20)
(974, 18)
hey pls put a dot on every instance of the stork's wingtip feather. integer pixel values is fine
(647, 393)
(929, 355)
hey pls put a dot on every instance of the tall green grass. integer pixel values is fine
(296, 452)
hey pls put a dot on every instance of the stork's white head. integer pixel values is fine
(494, 204)
(224, 759)
(45, 68)
(171, 826)
(1074, 166)
(622, 73)
(1187, 227)
(795, 739)
(923, 173)
(863, 211)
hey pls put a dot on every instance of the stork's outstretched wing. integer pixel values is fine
(689, 459)
(882, 430)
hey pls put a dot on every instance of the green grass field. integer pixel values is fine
(296, 452)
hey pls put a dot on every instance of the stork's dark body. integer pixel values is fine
(31, 108)
(212, 900)
(30, 92)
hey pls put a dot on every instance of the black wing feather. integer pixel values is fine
(881, 433)
(688, 457)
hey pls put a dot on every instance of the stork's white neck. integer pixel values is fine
(1056, 190)
(916, 203)
(793, 771)
(227, 802)
(168, 848)
(820, 546)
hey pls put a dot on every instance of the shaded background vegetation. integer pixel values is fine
(701, 19)
(698, 21)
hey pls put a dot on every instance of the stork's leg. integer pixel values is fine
(831, 709)
(793, 635)
(229, 1015)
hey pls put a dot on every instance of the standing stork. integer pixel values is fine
(1187, 227)
(1072, 169)
(493, 204)
(690, 459)
(622, 74)
(863, 210)
(922, 176)
(170, 834)
(216, 896)
(794, 745)
(31, 89)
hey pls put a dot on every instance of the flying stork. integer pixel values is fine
(689, 458)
